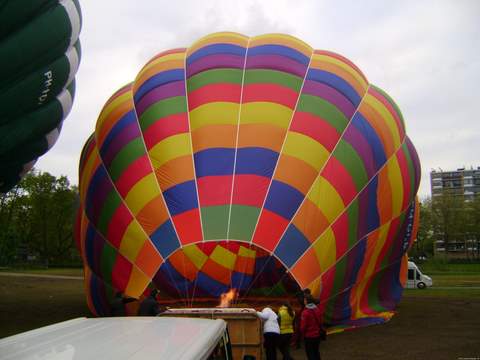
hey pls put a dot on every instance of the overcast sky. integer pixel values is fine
(424, 54)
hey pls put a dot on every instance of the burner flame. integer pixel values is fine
(227, 298)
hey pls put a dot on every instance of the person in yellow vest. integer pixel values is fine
(286, 318)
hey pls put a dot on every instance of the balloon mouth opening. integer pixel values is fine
(243, 273)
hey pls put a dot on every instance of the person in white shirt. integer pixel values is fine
(271, 332)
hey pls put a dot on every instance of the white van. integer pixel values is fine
(121, 338)
(415, 278)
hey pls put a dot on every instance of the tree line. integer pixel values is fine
(36, 222)
(448, 222)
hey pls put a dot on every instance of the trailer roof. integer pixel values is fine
(133, 338)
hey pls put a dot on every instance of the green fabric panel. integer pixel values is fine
(323, 109)
(277, 290)
(216, 76)
(346, 154)
(112, 202)
(14, 14)
(340, 269)
(242, 222)
(353, 214)
(131, 152)
(30, 126)
(40, 42)
(160, 109)
(373, 293)
(107, 262)
(215, 222)
(35, 90)
(411, 170)
(273, 77)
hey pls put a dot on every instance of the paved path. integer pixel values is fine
(43, 276)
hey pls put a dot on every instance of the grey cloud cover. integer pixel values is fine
(425, 54)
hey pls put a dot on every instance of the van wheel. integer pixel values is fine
(421, 285)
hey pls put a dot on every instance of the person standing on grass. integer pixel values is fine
(311, 328)
(271, 332)
(117, 307)
(286, 317)
(149, 306)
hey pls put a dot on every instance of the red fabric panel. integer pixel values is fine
(269, 229)
(250, 190)
(340, 229)
(167, 126)
(135, 171)
(188, 226)
(406, 176)
(121, 273)
(270, 93)
(214, 190)
(336, 174)
(118, 224)
(225, 92)
(316, 128)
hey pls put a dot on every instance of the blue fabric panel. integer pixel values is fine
(216, 49)
(373, 219)
(336, 82)
(240, 281)
(372, 137)
(283, 199)
(256, 161)
(181, 284)
(98, 190)
(161, 78)
(279, 50)
(165, 239)
(216, 161)
(292, 245)
(210, 286)
(126, 119)
(181, 197)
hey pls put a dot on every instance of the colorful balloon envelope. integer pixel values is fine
(39, 57)
(253, 163)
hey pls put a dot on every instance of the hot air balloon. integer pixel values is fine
(39, 56)
(250, 163)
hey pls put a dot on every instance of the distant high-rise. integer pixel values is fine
(462, 181)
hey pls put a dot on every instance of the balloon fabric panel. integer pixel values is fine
(254, 163)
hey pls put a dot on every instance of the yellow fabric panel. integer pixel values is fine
(170, 148)
(162, 63)
(225, 37)
(305, 148)
(330, 59)
(395, 178)
(223, 257)
(266, 113)
(316, 287)
(246, 252)
(282, 39)
(127, 96)
(326, 249)
(132, 241)
(137, 283)
(326, 198)
(195, 255)
(142, 193)
(89, 169)
(387, 116)
(214, 113)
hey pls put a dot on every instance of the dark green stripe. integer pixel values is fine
(322, 108)
(242, 222)
(274, 77)
(107, 262)
(112, 202)
(215, 221)
(353, 214)
(346, 154)
(233, 76)
(411, 171)
(160, 109)
(129, 153)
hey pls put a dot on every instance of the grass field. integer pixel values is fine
(438, 323)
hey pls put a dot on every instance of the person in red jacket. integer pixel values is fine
(311, 328)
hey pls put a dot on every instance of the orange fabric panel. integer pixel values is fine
(295, 172)
(212, 136)
(261, 135)
(310, 220)
(153, 215)
(175, 172)
(148, 259)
